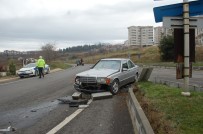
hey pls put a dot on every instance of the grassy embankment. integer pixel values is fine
(149, 56)
(170, 112)
(59, 64)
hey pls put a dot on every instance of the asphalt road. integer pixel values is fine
(31, 106)
(170, 75)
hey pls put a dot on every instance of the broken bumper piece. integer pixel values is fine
(88, 91)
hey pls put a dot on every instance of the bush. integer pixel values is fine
(12, 68)
(166, 48)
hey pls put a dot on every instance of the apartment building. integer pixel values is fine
(140, 35)
(158, 33)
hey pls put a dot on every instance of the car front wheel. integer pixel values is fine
(114, 88)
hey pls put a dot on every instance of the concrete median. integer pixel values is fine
(140, 122)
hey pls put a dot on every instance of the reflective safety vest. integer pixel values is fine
(40, 63)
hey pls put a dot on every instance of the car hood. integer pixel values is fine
(97, 73)
(28, 68)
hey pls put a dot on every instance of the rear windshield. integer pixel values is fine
(30, 65)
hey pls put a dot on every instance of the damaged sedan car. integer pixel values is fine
(107, 75)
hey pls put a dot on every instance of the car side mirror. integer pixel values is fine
(124, 69)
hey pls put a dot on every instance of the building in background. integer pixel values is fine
(140, 36)
(158, 33)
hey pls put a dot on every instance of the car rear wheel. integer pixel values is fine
(48, 71)
(36, 73)
(114, 88)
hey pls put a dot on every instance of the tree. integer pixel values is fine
(49, 51)
(166, 48)
(12, 68)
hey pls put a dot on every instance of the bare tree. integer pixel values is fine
(49, 51)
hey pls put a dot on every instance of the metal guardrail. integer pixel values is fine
(140, 122)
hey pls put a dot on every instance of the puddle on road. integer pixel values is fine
(24, 117)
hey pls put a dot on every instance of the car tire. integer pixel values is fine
(21, 77)
(114, 87)
(48, 71)
(36, 73)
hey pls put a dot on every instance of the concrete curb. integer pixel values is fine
(56, 70)
(192, 87)
(8, 79)
(140, 122)
(167, 67)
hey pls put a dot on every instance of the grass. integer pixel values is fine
(184, 113)
(59, 64)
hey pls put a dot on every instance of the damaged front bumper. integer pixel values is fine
(91, 89)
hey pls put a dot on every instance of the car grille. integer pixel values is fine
(88, 79)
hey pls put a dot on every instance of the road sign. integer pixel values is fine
(195, 7)
(177, 22)
(179, 45)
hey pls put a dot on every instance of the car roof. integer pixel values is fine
(115, 59)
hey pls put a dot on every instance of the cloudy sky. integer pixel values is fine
(28, 24)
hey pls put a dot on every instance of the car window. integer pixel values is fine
(108, 64)
(130, 64)
(30, 65)
(125, 65)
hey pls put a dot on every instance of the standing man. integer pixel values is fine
(40, 66)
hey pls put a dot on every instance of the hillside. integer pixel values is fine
(147, 55)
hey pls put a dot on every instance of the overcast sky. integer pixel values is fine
(28, 24)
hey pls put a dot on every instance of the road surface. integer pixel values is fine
(31, 106)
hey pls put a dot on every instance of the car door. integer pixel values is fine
(131, 71)
(124, 77)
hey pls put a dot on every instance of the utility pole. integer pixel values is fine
(186, 45)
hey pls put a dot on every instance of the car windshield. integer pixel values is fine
(108, 64)
(30, 65)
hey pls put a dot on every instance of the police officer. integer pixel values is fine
(40, 66)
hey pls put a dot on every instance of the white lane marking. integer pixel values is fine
(89, 102)
(68, 119)
(63, 123)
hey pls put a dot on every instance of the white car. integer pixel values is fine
(31, 70)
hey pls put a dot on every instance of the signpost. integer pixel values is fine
(196, 8)
(177, 22)
(185, 9)
(186, 30)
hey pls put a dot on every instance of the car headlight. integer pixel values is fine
(77, 80)
(103, 80)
